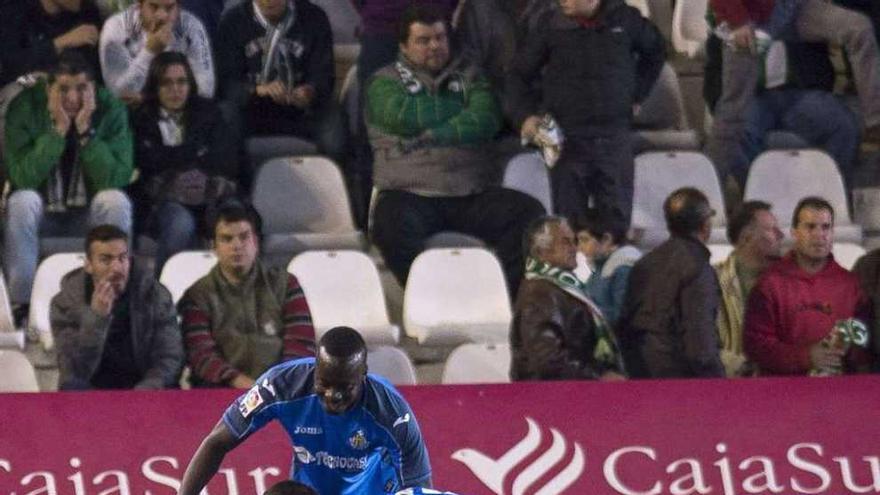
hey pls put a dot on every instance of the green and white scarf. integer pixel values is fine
(606, 351)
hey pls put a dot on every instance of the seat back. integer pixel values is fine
(478, 363)
(343, 289)
(689, 27)
(784, 177)
(458, 291)
(719, 252)
(657, 175)
(663, 108)
(184, 269)
(344, 20)
(16, 372)
(392, 363)
(302, 194)
(846, 253)
(47, 283)
(527, 173)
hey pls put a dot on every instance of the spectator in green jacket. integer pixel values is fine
(430, 118)
(68, 153)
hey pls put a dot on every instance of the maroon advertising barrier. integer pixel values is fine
(762, 436)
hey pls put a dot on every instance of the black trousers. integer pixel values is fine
(402, 221)
(597, 167)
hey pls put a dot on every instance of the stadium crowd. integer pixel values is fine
(125, 120)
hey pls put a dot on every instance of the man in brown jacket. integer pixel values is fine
(558, 333)
(667, 324)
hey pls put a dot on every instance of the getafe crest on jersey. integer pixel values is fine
(358, 440)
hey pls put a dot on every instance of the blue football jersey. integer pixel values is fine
(376, 447)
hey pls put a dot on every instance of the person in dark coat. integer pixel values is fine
(185, 154)
(558, 332)
(668, 321)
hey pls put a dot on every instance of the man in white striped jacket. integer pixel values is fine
(131, 38)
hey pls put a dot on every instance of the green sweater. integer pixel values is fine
(429, 132)
(34, 148)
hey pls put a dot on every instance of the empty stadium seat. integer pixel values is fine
(16, 372)
(392, 363)
(719, 252)
(478, 363)
(527, 173)
(47, 283)
(782, 178)
(305, 206)
(662, 123)
(454, 296)
(343, 289)
(689, 27)
(184, 269)
(658, 174)
(846, 254)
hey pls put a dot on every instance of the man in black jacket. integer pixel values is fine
(34, 32)
(599, 60)
(276, 71)
(668, 321)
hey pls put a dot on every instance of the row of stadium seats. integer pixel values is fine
(779, 177)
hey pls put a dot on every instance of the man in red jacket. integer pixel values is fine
(797, 301)
(786, 20)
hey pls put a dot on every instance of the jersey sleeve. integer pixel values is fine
(256, 407)
(415, 465)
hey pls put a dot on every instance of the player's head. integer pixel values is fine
(290, 487)
(341, 369)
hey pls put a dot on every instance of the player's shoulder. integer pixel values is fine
(290, 379)
(384, 402)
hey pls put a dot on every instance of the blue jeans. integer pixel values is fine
(815, 115)
(176, 229)
(26, 221)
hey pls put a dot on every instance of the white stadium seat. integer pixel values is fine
(658, 174)
(662, 123)
(689, 27)
(184, 269)
(304, 206)
(47, 283)
(782, 178)
(846, 254)
(719, 252)
(391, 363)
(343, 289)
(454, 296)
(478, 363)
(16, 372)
(527, 173)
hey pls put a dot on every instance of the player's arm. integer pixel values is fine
(207, 459)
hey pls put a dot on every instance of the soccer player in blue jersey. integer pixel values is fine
(353, 433)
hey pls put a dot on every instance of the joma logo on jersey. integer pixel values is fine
(493, 472)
